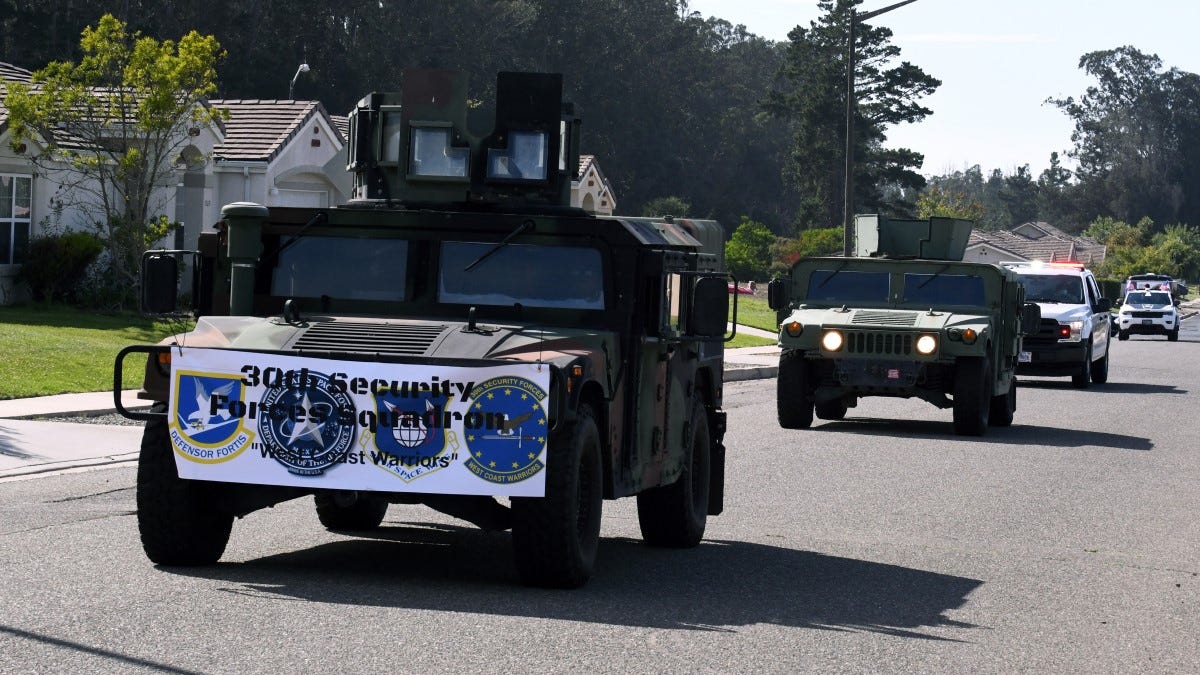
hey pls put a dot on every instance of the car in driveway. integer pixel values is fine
(1148, 313)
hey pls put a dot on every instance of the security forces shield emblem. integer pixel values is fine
(201, 427)
(411, 438)
(506, 429)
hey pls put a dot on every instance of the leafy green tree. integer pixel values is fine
(813, 242)
(935, 201)
(113, 125)
(666, 206)
(748, 251)
(812, 100)
(1137, 138)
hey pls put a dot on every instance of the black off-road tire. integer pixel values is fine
(177, 519)
(972, 395)
(1100, 367)
(555, 537)
(1004, 407)
(364, 514)
(675, 515)
(831, 410)
(1122, 335)
(1082, 379)
(793, 393)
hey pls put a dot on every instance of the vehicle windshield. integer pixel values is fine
(944, 289)
(527, 274)
(848, 286)
(1155, 298)
(1053, 288)
(307, 268)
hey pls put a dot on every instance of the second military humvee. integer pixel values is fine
(904, 318)
(455, 334)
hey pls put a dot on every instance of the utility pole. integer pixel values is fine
(848, 183)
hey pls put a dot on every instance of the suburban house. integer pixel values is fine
(273, 152)
(1033, 241)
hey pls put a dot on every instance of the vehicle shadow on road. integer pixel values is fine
(1107, 388)
(1017, 434)
(718, 586)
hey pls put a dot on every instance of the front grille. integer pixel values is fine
(886, 318)
(1047, 330)
(879, 343)
(1146, 315)
(395, 339)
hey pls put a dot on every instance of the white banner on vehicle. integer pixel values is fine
(272, 419)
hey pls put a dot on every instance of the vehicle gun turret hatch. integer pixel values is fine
(934, 239)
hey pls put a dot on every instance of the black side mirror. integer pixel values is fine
(1104, 305)
(777, 297)
(160, 282)
(1031, 318)
(710, 307)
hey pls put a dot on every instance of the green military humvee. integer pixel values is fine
(454, 334)
(903, 318)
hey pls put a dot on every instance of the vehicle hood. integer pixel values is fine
(397, 339)
(1064, 313)
(923, 319)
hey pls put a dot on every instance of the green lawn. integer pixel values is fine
(753, 311)
(57, 350)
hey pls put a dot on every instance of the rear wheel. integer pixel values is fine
(340, 511)
(972, 396)
(831, 410)
(1082, 379)
(675, 515)
(793, 398)
(555, 537)
(176, 518)
(1003, 407)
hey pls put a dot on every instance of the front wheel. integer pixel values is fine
(793, 395)
(1100, 368)
(972, 396)
(1173, 336)
(831, 410)
(1082, 379)
(176, 518)
(1122, 335)
(555, 537)
(675, 515)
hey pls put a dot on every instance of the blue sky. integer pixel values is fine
(998, 60)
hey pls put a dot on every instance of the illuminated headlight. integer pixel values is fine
(926, 344)
(793, 328)
(432, 154)
(832, 341)
(523, 159)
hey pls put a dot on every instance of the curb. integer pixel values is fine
(92, 412)
(65, 466)
(752, 373)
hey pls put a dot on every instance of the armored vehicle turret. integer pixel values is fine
(454, 334)
(906, 318)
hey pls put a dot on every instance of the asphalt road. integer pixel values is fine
(1068, 542)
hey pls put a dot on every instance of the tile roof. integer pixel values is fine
(258, 129)
(14, 73)
(1041, 241)
(342, 124)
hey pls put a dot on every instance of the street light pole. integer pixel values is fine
(848, 182)
(304, 69)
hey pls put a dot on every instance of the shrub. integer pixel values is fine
(56, 264)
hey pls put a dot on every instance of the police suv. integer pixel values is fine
(1073, 336)
(1148, 312)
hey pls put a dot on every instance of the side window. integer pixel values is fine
(16, 198)
(672, 319)
(1092, 291)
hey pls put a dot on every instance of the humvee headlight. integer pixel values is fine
(926, 344)
(793, 328)
(832, 341)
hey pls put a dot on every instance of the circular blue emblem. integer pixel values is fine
(505, 429)
(308, 428)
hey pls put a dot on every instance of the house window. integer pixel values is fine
(15, 199)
